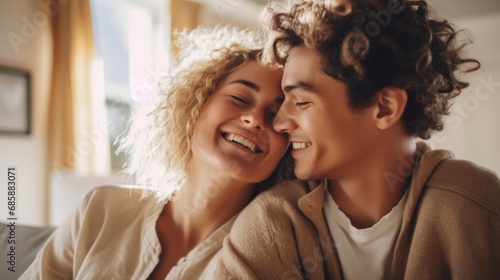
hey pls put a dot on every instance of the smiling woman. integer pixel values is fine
(246, 103)
(204, 147)
(210, 64)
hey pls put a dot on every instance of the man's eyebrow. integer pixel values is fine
(298, 85)
(247, 84)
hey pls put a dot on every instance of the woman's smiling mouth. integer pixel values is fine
(247, 143)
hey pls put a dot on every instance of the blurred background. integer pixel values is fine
(91, 62)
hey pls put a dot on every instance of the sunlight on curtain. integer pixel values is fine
(78, 126)
(184, 15)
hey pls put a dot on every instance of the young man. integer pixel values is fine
(363, 81)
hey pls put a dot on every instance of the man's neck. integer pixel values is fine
(378, 187)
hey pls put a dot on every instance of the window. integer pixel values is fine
(132, 39)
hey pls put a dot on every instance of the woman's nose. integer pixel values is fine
(253, 119)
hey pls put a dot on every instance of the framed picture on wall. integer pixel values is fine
(14, 101)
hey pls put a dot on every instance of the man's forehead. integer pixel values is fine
(301, 63)
(302, 54)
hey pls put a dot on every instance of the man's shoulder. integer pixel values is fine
(284, 192)
(274, 214)
(277, 203)
(468, 181)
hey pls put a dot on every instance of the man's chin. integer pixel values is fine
(305, 175)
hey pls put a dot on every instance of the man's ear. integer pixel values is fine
(390, 104)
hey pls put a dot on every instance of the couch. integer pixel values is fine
(28, 241)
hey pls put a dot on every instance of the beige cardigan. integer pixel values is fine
(450, 228)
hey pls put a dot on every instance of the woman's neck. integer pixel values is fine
(207, 201)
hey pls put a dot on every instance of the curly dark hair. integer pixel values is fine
(373, 44)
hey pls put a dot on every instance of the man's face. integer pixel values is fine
(329, 139)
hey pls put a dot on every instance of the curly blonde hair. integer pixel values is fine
(158, 141)
(373, 44)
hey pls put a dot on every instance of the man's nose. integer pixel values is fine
(283, 122)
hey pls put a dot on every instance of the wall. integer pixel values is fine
(471, 130)
(26, 21)
(239, 13)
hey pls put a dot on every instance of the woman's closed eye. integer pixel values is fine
(239, 100)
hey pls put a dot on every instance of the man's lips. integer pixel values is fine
(300, 145)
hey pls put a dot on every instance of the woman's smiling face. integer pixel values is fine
(234, 131)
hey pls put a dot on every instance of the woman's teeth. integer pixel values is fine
(241, 140)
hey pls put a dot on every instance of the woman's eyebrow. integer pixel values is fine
(256, 88)
(246, 83)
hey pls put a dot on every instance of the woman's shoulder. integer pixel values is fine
(111, 191)
(118, 197)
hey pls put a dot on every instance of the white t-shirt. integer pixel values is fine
(364, 253)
